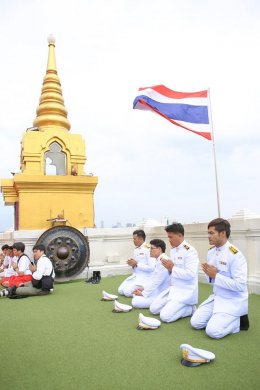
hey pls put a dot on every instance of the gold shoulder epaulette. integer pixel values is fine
(147, 246)
(233, 250)
(186, 247)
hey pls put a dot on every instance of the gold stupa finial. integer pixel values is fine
(51, 112)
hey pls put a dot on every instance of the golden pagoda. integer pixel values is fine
(52, 185)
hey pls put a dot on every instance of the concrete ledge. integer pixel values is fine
(110, 248)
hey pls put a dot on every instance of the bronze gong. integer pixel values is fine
(68, 249)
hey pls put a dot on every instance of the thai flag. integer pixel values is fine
(185, 109)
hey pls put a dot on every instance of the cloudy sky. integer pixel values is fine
(105, 51)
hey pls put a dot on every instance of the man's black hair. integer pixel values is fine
(175, 227)
(159, 244)
(221, 225)
(39, 247)
(5, 246)
(140, 233)
(19, 246)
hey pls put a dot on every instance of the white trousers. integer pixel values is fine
(170, 310)
(140, 302)
(127, 287)
(217, 325)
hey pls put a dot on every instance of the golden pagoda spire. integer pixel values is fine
(51, 112)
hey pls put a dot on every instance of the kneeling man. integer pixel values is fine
(180, 299)
(144, 296)
(226, 270)
(142, 265)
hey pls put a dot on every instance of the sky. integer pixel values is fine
(106, 50)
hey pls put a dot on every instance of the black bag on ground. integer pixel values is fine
(45, 283)
(37, 283)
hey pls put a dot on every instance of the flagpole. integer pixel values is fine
(214, 153)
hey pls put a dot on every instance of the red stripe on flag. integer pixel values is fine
(174, 94)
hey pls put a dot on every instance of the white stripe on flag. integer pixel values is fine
(164, 99)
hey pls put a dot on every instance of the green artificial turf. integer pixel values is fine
(72, 340)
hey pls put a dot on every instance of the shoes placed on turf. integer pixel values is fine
(244, 322)
(12, 290)
(96, 277)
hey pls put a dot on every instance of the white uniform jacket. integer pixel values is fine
(145, 264)
(184, 276)
(160, 279)
(230, 284)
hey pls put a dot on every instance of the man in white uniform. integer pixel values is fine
(226, 270)
(141, 263)
(180, 299)
(144, 296)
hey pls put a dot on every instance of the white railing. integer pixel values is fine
(111, 247)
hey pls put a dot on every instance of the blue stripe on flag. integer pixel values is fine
(181, 112)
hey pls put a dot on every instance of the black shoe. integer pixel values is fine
(11, 291)
(96, 277)
(89, 280)
(99, 276)
(244, 322)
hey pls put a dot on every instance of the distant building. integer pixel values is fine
(129, 224)
(117, 225)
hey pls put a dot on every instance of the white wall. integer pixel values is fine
(110, 248)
